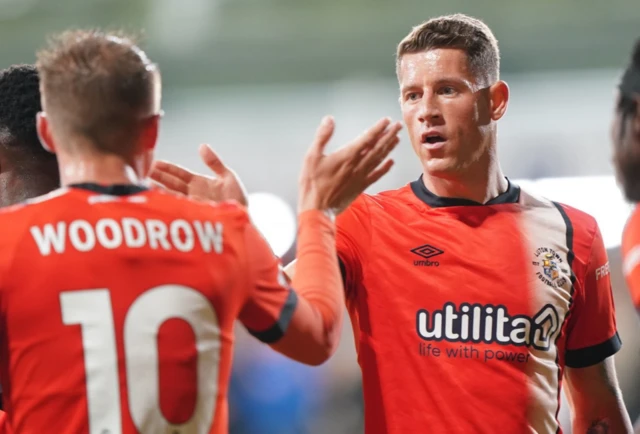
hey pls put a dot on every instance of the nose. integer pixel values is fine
(429, 109)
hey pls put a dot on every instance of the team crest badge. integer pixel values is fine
(550, 266)
(552, 269)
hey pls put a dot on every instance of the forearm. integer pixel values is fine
(602, 417)
(313, 334)
(596, 399)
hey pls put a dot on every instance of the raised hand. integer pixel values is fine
(224, 185)
(333, 181)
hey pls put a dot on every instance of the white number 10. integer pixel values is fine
(93, 311)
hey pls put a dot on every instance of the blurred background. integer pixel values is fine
(254, 77)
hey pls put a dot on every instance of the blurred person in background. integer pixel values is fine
(626, 140)
(136, 290)
(471, 300)
(625, 135)
(27, 170)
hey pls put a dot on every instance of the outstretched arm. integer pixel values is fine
(304, 322)
(596, 400)
(301, 319)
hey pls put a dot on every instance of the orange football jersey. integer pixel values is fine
(466, 315)
(117, 307)
(631, 256)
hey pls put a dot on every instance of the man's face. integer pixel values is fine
(446, 108)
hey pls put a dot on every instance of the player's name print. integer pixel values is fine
(83, 236)
(489, 324)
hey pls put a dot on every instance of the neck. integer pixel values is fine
(104, 169)
(480, 182)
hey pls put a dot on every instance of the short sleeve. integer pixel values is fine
(631, 257)
(593, 334)
(353, 237)
(271, 302)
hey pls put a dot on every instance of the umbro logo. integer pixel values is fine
(426, 252)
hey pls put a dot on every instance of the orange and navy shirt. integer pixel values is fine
(465, 315)
(117, 308)
(631, 256)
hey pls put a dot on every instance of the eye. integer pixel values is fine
(412, 96)
(447, 90)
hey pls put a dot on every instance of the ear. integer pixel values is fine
(499, 93)
(149, 135)
(44, 132)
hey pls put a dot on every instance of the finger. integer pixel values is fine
(212, 160)
(378, 173)
(387, 134)
(374, 161)
(169, 181)
(172, 169)
(369, 138)
(381, 149)
(389, 147)
(323, 135)
(390, 135)
(389, 139)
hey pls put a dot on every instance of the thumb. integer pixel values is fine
(323, 134)
(211, 159)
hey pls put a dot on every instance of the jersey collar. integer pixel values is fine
(111, 190)
(512, 195)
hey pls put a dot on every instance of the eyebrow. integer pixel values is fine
(450, 79)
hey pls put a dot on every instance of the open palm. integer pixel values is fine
(332, 181)
(224, 185)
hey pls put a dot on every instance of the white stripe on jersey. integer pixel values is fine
(544, 227)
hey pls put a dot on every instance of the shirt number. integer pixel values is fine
(92, 310)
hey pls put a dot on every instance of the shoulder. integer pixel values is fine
(368, 206)
(16, 219)
(385, 201)
(231, 210)
(18, 223)
(397, 195)
(569, 229)
(34, 205)
(228, 211)
(581, 224)
(585, 243)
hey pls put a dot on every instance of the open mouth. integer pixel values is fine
(432, 139)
